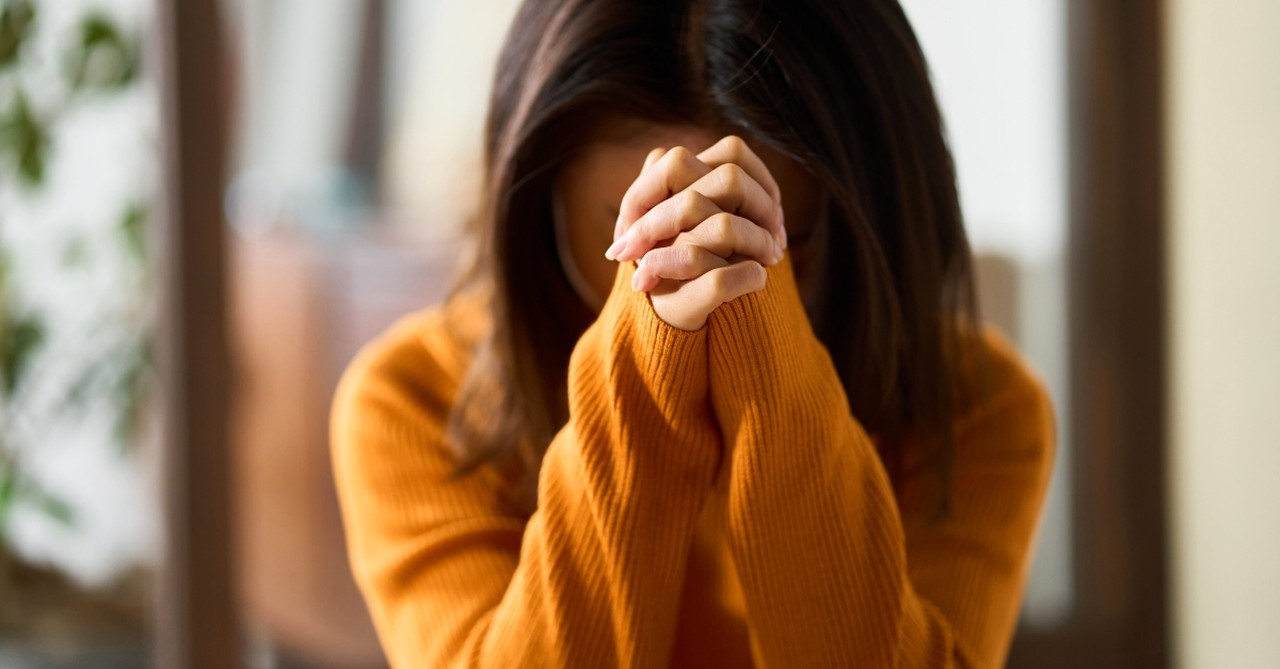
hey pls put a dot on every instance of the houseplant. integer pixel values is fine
(57, 371)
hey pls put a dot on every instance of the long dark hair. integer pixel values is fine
(840, 86)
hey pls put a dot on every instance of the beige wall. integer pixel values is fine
(434, 157)
(1224, 202)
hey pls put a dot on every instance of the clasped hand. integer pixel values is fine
(701, 229)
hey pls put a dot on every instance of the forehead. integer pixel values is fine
(607, 164)
(605, 167)
(621, 146)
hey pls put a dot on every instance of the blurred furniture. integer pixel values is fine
(301, 307)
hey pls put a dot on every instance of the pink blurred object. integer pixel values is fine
(301, 308)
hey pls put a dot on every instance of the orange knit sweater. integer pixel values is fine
(710, 503)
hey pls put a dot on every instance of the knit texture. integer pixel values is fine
(711, 502)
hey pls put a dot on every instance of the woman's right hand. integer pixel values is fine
(701, 228)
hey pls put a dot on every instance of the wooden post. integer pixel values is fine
(196, 621)
(1116, 344)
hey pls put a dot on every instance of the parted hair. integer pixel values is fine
(839, 86)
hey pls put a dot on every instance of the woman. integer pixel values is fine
(712, 392)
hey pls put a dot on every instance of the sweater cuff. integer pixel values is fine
(653, 359)
(763, 348)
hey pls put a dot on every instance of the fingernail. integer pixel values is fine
(635, 281)
(777, 252)
(612, 252)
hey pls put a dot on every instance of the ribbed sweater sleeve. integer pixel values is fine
(834, 573)
(593, 577)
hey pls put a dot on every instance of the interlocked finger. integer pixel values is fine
(733, 149)
(728, 188)
(680, 262)
(728, 283)
(727, 235)
(664, 175)
(686, 304)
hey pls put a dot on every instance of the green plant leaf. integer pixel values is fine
(49, 505)
(22, 489)
(131, 394)
(8, 485)
(134, 230)
(5, 269)
(19, 340)
(16, 21)
(102, 58)
(25, 138)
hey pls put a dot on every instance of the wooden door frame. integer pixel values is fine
(1116, 311)
(197, 620)
(196, 623)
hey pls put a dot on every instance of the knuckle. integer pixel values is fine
(679, 155)
(689, 204)
(653, 158)
(735, 145)
(685, 256)
(732, 176)
(722, 225)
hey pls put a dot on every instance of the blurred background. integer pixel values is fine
(207, 206)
